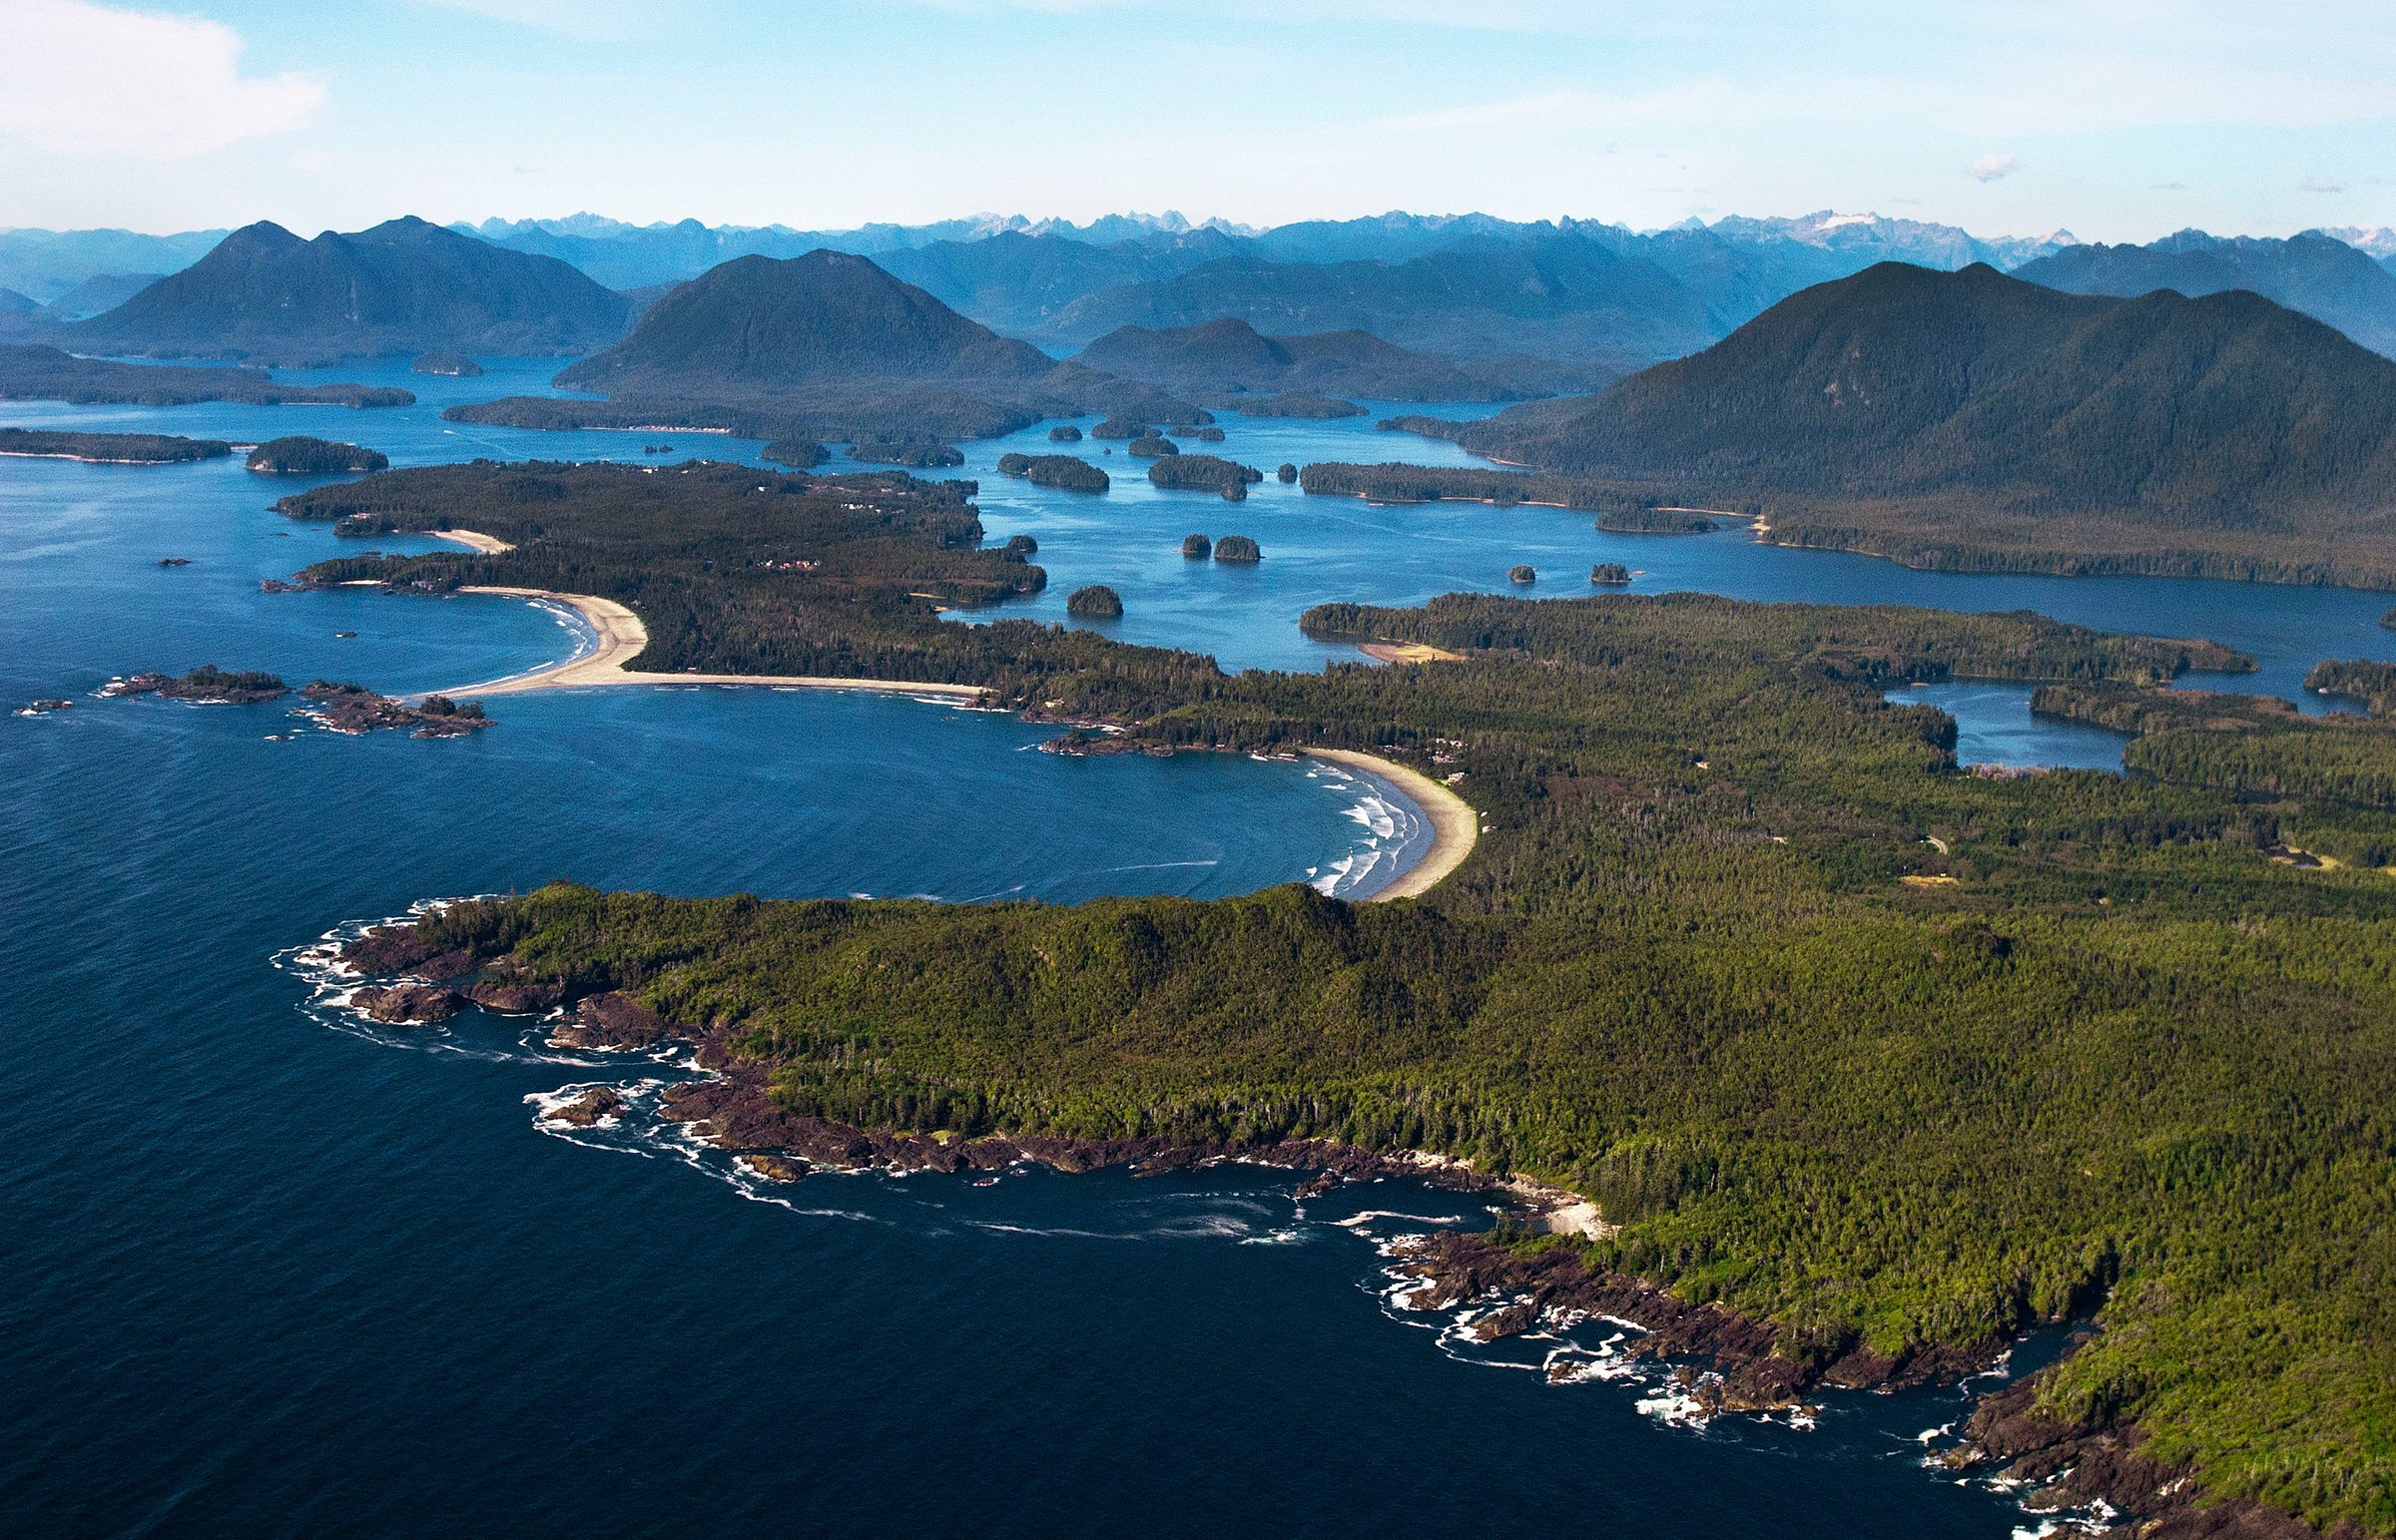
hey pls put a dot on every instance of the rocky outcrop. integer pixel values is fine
(594, 1106)
(612, 1021)
(2084, 1464)
(407, 1005)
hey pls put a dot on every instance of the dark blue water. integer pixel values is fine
(268, 1275)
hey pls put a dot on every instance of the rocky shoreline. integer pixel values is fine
(1525, 1276)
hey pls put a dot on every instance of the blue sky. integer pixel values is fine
(2115, 120)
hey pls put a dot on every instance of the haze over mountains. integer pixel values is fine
(2325, 279)
(1470, 305)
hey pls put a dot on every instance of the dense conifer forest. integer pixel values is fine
(1839, 1032)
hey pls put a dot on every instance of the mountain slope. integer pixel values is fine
(401, 287)
(757, 325)
(1971, 419)
(1226, 359)
(2325, 279)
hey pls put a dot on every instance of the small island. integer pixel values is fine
(1524, 573)
(109, 448)
(1068, 472)
(442, 361)
(1197, 547)
(1120, 428)
(301, 455)
(798, 453)
(1654, 521)
(1301, 404)
(1207, 435)
(1021, 548)
(1152, 447)
(1239, 550)
(1204, 473)
(1397, 483)
(1096, 601)
(206, 684)
(1067, 434)
(1611, 573)
(914, 454)
(1287, 474)
(355, 710)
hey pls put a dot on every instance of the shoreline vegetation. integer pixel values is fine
(109, 448)
(33, 372)
(1832, 1033)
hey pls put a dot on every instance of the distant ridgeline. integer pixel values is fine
(30, 373)
(1741, 949)
(1975, 422)
(1225, 360)
(821, 346)
(401, 288)
(2324, 277)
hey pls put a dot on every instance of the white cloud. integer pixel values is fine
(1992, 167)
(89, 78)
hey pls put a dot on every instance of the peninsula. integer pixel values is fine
(109, 448)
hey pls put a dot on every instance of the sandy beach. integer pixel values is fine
(1454, 827)
(488, 545)
(619, 637)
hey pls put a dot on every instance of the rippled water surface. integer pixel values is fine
(274, 1273)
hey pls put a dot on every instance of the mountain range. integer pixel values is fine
(404, 286)
(2325, 279)
(1971, 419)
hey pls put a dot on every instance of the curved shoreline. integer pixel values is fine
(1454, 827)
(620, 637)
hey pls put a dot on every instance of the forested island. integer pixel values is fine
(1298, 403)
(914, 454)
(1070, 472)
(300, 455)
(1393, 483)
(109, 448)
(1204, 473)
(32, 372)
(1096, 601)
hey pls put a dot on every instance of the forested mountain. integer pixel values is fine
(403, 286)
(1223, 359)
(2324, 277)
(756, 325)
(1974, 419)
